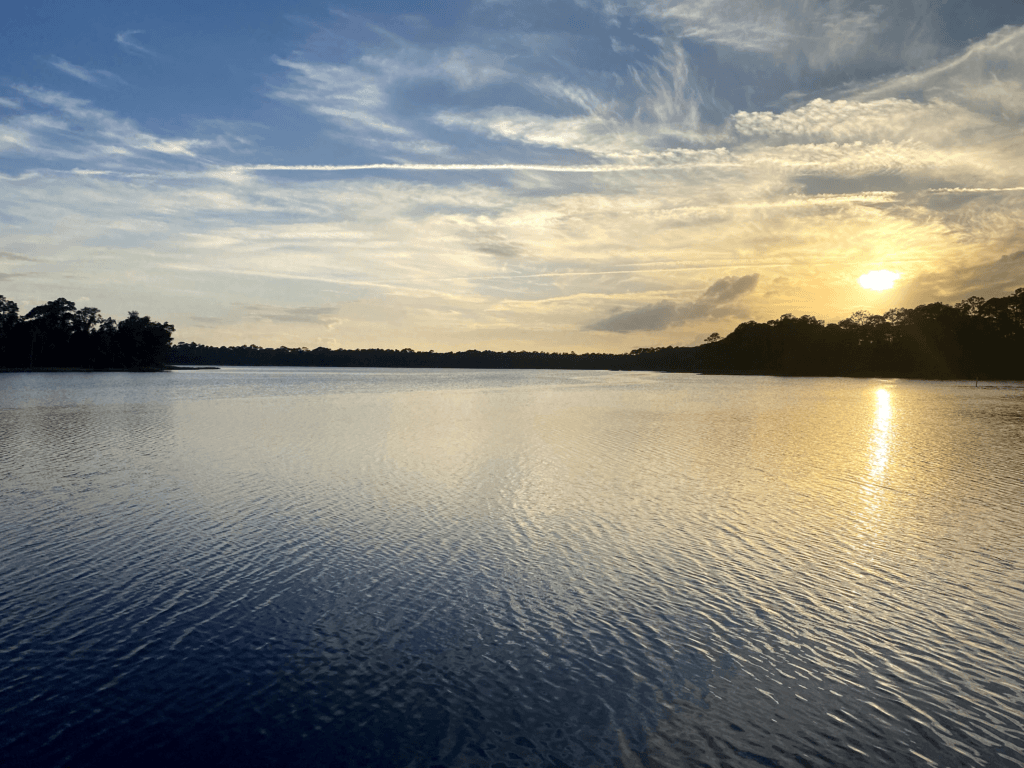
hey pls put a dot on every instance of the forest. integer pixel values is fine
(57, 335)
(974, 339)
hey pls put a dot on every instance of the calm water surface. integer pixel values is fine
(528, 568)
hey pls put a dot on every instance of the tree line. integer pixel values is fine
(976, 338)
(200, 354)
(57, 335)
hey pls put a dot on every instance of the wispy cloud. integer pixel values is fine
(355, 101)
(986, 74)
(495, 187)
(806, 34)
(325, 315)
(127, 41)
(10, 256)
(94, 76)
(988, 279)
(359, 97)
(73, 128)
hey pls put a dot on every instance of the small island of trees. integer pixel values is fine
(974, 339)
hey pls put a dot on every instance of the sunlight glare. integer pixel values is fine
(878, 280)
(873, 490)
(882, 435)
(877, 455)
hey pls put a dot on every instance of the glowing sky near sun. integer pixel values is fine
(878, 280)
(508, 175)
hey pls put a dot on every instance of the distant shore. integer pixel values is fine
(974, 340)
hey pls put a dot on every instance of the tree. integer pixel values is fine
(8, 323)
(141, 343)
(49, 327)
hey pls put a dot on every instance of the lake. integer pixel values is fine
(367, 567)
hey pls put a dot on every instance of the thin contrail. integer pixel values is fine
(456, 167)
(514, 167)
(959, 190)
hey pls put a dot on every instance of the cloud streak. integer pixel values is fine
(92, 76)
(127, 41)
(73, 128)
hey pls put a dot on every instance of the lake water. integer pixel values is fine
(365, 567)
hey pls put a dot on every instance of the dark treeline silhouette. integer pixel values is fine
(57, 335)
(198, 354)
(976, 338)
(973, 339)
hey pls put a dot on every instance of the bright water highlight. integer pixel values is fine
(525, 568)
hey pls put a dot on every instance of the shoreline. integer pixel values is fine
(163, 369)
(169, 368)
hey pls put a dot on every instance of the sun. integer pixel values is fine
(879, 280)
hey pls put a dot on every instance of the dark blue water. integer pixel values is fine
(420, 568)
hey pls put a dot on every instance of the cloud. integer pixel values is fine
(317, 315)
(9, 260)
(585, 98)
(590, 134)
(498, 245)
(94, 76)
(126, 41)
(806, 35)
(656, 103)
(651, 317)
(956, 128)
(528, 208)
(621, 48)
(987, 77)
(723, 291)
(74, 129)
(369, 97)
(988, 279)
(355, 101)
(545, 101)
(717, 301)
(539, 167)
(667, 92)
(10, 256)
(467, 67)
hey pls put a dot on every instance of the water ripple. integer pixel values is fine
(519, 568)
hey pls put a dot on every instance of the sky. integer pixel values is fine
(589, 176)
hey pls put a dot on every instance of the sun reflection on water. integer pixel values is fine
(881, 436)
(877, 454)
